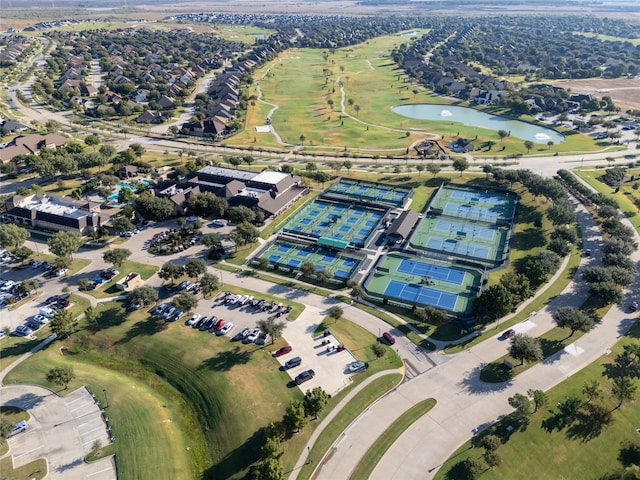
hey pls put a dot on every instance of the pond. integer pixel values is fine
(477, 118)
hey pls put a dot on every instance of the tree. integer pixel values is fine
(62, 324)
(314, 401)
(335, 312)
(245, 233)
(271, 469)
(324, 275)
(490, 443)
(623, 389)
(143, 296)
(434, 169)
(65, 244)
(12, 236)
(528, 144)
(185, 301)
(591, 389)
(6, 428)
(92, 140)
(170, 271)
(137, 149)
(308, 269)
(211, 240)
(126, 196)
(61, 376)
(539, 397)
(357, 291)
(348, 164)
(84, 283)
(561, 212)
(62, 262)
(496, 301)
(272, 327)
(195, 267)
(123, 224)
(420, 169)
(209, 283)
(107, 151)
(207, 204)
(294, 417)
(91, 315)
(522, 406)
(302, 138)
(154, 208)
(525, 348)
(492, 458)
(460, 165)
(241, 214)
(272, 448)
(30, 285)
(472, 468)
(116, 256)
(502, 134)
(574, 319)
(605, 293)
(378, 350)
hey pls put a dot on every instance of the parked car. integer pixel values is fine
(304, 377)
(253, 335)
(20, 427)
(226, 329)
(242, 334)
(283, 351)
(390, 339)
(41, 319)
(357, 366)
(194, 318)
(508, 334)
(219, 324)
(292, 362)
(634, 306)
(169, 312)
(47, 312)
(262, 339)
(23, 331)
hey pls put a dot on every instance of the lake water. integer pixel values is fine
(477, 118)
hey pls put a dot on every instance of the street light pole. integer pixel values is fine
(106, 400)
(309, 461)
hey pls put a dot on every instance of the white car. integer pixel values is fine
(47, 312)
(41, 319)
(226, 329)
(37, 264)
(194, 319)
(252, 337)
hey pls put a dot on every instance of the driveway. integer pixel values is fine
(61, 430)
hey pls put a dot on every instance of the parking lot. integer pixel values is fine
(62, 430)
(331, 367)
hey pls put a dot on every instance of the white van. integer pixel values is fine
(47, 312)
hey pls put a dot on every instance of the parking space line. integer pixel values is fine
(26, 453)
(98, 472)
(92, 430)
(77, 399)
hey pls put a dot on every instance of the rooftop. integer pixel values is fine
(54, 206)
(269, 176)
(228, 172)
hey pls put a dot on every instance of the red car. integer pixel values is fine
(283, 351)
(390, 339)
(219, 325)
(508, 334)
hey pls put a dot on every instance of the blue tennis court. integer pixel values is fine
(293, 263)
(274, 258)
(284, 248)
(421, 295)
(436, 272)
(468, 229)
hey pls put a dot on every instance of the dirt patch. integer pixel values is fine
(625, 92)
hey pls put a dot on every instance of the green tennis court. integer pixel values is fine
(377, 193)
(288, 254)
(419, 281)
(354, 224)
(471, 204)
(480, 241)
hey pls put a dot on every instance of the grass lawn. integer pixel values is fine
(358, 404)
(174, 393)
(372, 82)
(370, 459)
(33, 470)
(108, 289)
(14, 415)
(576, 451)
(241, 33)
(608, 38)
(625, 196)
